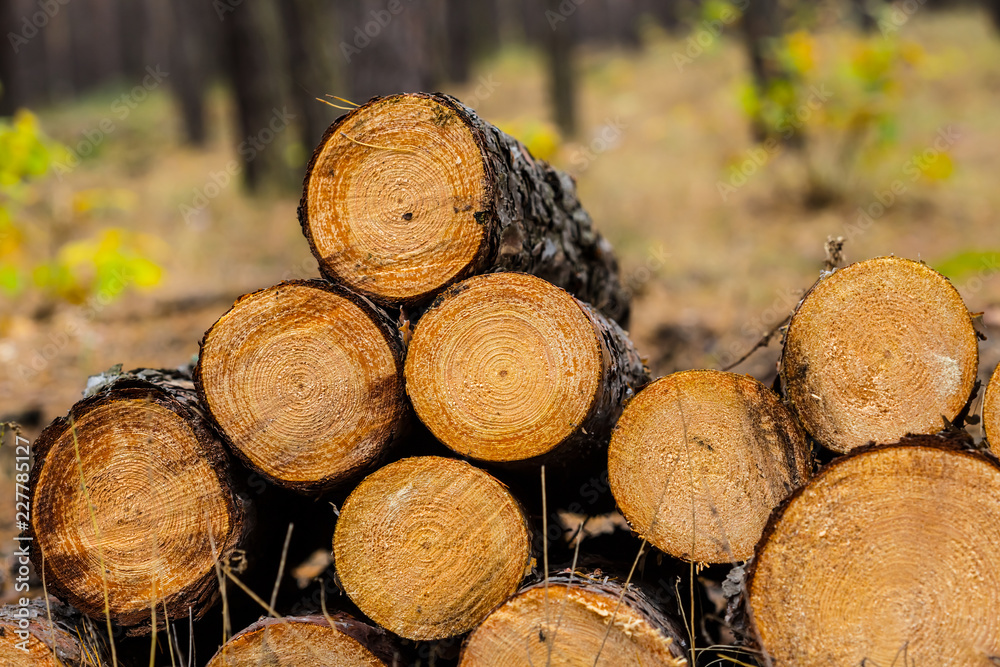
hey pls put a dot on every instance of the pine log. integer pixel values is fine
(877, 350)
(410, 193)
(991, 409)
(428, 546)
(576, 619)
(305, 379)
(509, 368)
(308, 641)
(700, 458)
(132, 503)
(888, 552)
(46, 633)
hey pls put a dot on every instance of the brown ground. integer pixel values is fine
(711, 275)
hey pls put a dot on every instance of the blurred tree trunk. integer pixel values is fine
(486, 27)
(458, 33)
(666, 13)
(190, 65)
(312, 66)
(863, 14)
(609, 22)
(260, 116)
(762, 25)
(562, 77)
(385, 52)
(11, 86)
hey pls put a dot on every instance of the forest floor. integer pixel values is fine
(713, 268)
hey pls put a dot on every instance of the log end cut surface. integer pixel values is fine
(567, 630)
(127, 495)
(505, 367)
(294, 642)
(710, 447)
(306, 382)
(888, 552)
(991, 410)
(879, 349)
(395, 200)
(427, 546)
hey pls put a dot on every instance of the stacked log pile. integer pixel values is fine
(459, 392)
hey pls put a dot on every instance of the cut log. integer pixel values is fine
(305, 379)
(428, 546)
(991, 409)
(509, 368)
(877, 350)
(308, 641)
(886, 553)
(700, 458)
(132, 503)
(576, 620)
(49, 634)
(410, 193)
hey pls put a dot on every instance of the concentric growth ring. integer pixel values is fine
(879, 349)
(427, 546)
(887, 552)
(305, 380)
(132, 499)
(505, 367)
(392, 197)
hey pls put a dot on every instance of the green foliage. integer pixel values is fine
(969, 263)
(848, 87)
(103, 264)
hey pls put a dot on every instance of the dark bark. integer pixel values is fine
(71, 637)
(534, 221)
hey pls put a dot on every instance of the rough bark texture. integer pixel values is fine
(305, 381)
(570, 626)
(520, 342)
(880, 556)
(337, 640)
(529, 215)
(46, 633)
(152, 472)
